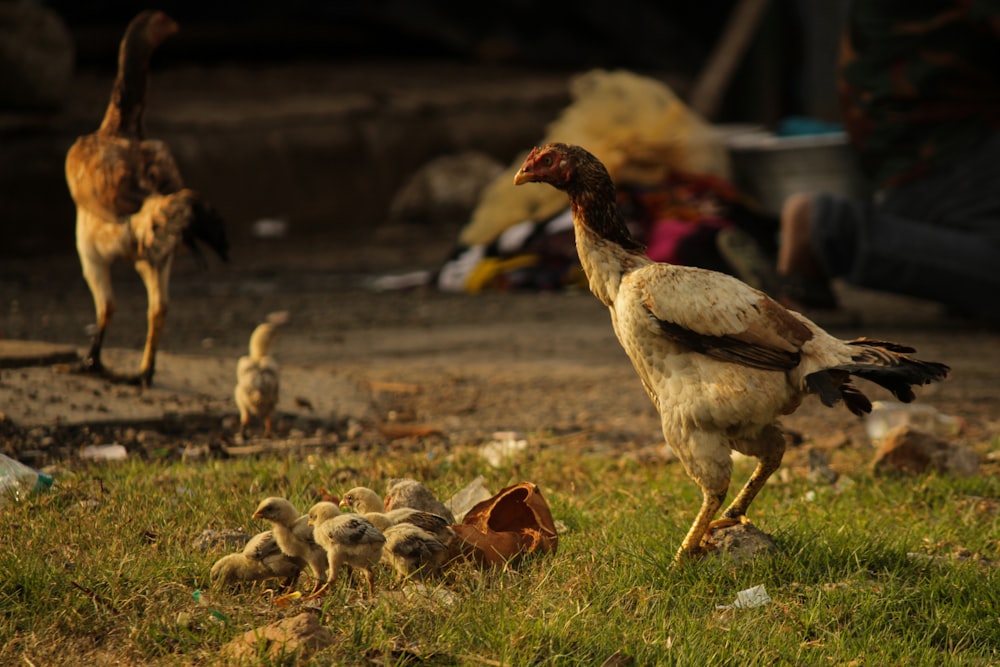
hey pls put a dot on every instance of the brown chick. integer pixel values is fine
(294, 535)
(257, 381)
(261, 559)
(411, 493)
(413, 552)
(349, 539)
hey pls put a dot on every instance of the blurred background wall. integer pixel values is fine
(317, 112)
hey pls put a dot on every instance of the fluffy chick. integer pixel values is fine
(349, 539)
(411, 493)
(261, 559)
(362, 499)
(413, 552)
(294, 535)
(257, 379)
(366, 501)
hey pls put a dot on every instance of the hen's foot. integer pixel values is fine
(688, 556)
(707, 543)
(90, 366)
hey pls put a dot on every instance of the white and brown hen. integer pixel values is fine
(349, 539)
(720, 360)
(131, 203)
(294, 535)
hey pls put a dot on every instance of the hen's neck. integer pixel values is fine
(128, 95)
(606, 248)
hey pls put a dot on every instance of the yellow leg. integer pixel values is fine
(691, 547)
(768, 463)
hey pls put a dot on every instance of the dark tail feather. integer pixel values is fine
(855, 401)
(887, 365)
(206, 227)
(833, 386)
(884, 363)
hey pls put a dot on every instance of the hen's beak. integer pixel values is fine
(256, 515)
(522, 176)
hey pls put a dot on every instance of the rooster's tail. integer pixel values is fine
(206, 226)
(885, 363)
(165, 220)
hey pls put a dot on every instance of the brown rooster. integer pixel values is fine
(130, 201)
(720, 360)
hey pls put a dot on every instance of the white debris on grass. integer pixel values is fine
(748, 599)
(505, 445)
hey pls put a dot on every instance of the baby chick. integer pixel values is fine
(411, 493)
(349, 539)
(413, 552)
(362, 499)
(294, 535)
(260, 559)
(257, 381)
(366, 501)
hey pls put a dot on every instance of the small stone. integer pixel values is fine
(909, 451)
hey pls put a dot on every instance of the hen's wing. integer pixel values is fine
(719, 316)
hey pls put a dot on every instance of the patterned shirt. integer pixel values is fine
(919, 83)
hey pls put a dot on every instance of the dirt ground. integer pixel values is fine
(409, 369)
(360, 368)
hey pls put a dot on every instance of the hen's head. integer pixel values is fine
(152, 26)
(554, 164)
(564, 167)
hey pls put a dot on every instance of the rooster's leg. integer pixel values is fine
(98, 276)
(157, 282)
(769, 454)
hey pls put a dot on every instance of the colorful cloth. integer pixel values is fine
(677, 220)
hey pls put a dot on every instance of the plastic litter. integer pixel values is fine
(104, 453)
(18, 480)
(270, 228)
(202, 599)
(748, 599)
(504, 447)
(887, 415)
(474, 492)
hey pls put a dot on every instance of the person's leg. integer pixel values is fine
(870, 247)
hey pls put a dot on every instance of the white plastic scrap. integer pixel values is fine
(503, 448)
(467, 498)
(748, 599)
(113, 452)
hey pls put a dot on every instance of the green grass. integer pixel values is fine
(100, 570)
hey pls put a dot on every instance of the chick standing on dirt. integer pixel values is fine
(257, 381)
